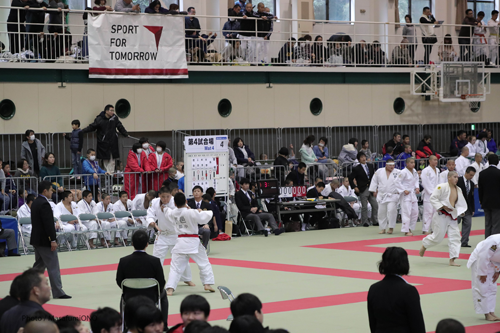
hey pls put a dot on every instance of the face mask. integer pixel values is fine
(139, 151)
(39, 1)
(321, 145)
(32, 137)
(231, 19)
(145, 145)
(159, 149)
(92, 158)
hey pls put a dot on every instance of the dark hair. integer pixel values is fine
(162, 144)
(28, 133)
(425, 8)
(461, 132)
(206, 197)
(172, 186)
(324, 139)
(427, 137)
(189, 9)
(132, 307)
(143, 140)
(245, 304)
(154, 3)
(104, 318)
(210, 191)
(104, 196)
(389, 150)
(86, 193)
(90, 150)
(493, 12)
(493, 159)
(28, 280)
(196, 326)
(179, 199)
(244, 181)
(76, 122)
(97, 2)
(122, 193)
(352, 141)
(317, 37)
(30, 198)
(482, 135)
(64, 195)
(236, 6)
(236, 141)
(467, 11)
(309, 140)
(195, 303)
(246, 324)
(173, 6)
(46, 159)
(67, 322)
(360, 154)
(14, 287)
(107, 107)
(394, 261)
(481, 13)
(300, 166)
(140, 239)
(363, 142)
(409, 16)
(308, 37)
(470, 169)
(44, 185)
(215, 329)
(20, 163)
(320, 184)
(147, 314)
(136, 146)
(164, 189)
(405, 136)
(450, 326)
(197, 187)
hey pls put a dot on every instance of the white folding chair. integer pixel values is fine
(20, 222)
(227, 294)
(76, 233)
(104, 216)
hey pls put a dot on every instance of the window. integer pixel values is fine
(271, 4)
(414, 8)
(332, 10)
(485, 6)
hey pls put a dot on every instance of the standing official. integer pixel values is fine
(430, 180)
(43, 239)
(384, 189)
(467, 186)
(489, 196)
(408, 187)
(362, 174)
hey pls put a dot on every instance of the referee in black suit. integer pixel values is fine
(43, 239)
(467, 186)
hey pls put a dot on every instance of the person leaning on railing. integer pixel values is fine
(126, 6)
(100, 5)
(35, 23)
(464, 37)
(15, 25)
(401, 54)
(446, 52)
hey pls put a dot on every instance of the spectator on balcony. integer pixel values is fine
(15, 25)
(265, 28)
(173, 9)
(411, 35)
(240, 3)
(361, 53)
(35, 22)
(231, 28)
(248, 34)
(287, 54)
(377, 56)
(428, 36)
(349, 152)
(465, 34)
(106, 124)
(155, 7)
(100, 5)
(458, 143)
(192, 24)
(137, 162)
(318, 51)
(126, 6)
(401, 54)
(159, 163)
(233, 51)
(57, 21)
(33, 151)
(303, 51)
(446, 52)
(196, 43)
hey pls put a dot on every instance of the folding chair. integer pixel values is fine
(76, 233)
(138, 283)
(230, 216)
(88, 217)
(125, 214)
(20, 222)
(240, 218)
(227, 294)
(139, 213)
(104, 216)
(62, 233)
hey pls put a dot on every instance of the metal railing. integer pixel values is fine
(251, 41)
(16, 190)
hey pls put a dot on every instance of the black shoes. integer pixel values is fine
(265, 232)
(279, 231)
(466, 245)
(64, 297)
(366, 225)
(12, 254)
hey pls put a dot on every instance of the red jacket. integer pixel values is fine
(132, 163)
(166, 162)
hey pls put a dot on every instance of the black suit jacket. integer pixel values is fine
(313, 193)
(394, 306)
(43, 230)
(204, 206)
(244, 205)
(469, 198)
(140, 265)
(489, 188)
(358, 173)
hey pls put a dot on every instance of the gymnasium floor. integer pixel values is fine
(314, 281)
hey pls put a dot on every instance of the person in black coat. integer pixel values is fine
(314, 193)
(139, 264)
(363, 174)
(282, 165)
(204, 230)
(106, 124)
(43, 238)
(297, 176)
(467, 186)
(35, 20)
(15, 25)
(8, 302)
(393, 303)
(489, 196)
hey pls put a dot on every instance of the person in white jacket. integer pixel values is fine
(482, 144)
(346, 191)
(479, 166)
(86, 206)
(408, 187)
(105, 206)
(68, 207)
(25, 211)
(123, 205)
(484, 263)
(430, 180)
(384, 189)
(462, 162)
(471, 145)
(449, 203)
(143, 202)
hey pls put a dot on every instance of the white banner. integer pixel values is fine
(205, 144)
(137, 47)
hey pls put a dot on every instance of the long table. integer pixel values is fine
(304, 204)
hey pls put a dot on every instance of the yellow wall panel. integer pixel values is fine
(116, 91)
(26, 108)
(205, 99)
(179, 106)
(149, 110)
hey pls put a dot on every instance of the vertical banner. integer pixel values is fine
(137, 47)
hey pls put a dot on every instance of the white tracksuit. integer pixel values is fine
(443, 224)
(166, 238)
(479, 167)
(123, 222)
(85, 208)
(186, 222)
(24, 211)
(387, 197)
(485, 260)
(430, 180)
(408, 181)
(105, 225)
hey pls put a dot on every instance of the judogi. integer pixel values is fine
(482, 148)
(105, 225)
(461, 164)
(67, 227)
(445, 222)
(24, 211)
(167, 237)
(443, 176)
(479, 167)
(327, 190)
(408, 181)
(387, 197)
(485, 261)
(138, 204)
(493, 40)
(480, 42)
(349, 192)
(85, 208)
(430, 180)
(123, 222)
(188, 245)
(472, 150)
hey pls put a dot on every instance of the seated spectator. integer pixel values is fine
(309, 157)
(365, 148)
(446, 52)
(399, 309)
(282, 164)
(471, 145)
(71, 322)
(362, 53)
(450, 326)
(156, 8)
(193, 307)
(287, 53)
(137, 162)
(10, 188)
(331, 187)
(481, 144)
(405, 140)
(33, 151)
(401, 55)
(312, 219)
(105, 320)
(105, 206)
(244, 156)
(100, 5)
(247, 305)
(197, 326)
(346, 191)
(349, 152)
(396, 144)
(216, 208)
(318, 52)
(248, 207)
(233, 51)
(196, 43)
(124, 204)
(51, 172)
(158, 164)
(126, 6)
(232, 27)
(377, 56)
(91, 167)
(246, 324)
(86, 206)
(424, 149)
(401, 158)
(42, 322)
(321, 151)
(303, 51)
(11, 300)
(492, 145)
(458, 143)
(34, 291)
(23, 171)
(139, 264)
(297, 176)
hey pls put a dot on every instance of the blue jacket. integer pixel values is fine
(89, 167)
(240, 157)
(403, 156)
(320, 154)
(216, 211)
(180, 184)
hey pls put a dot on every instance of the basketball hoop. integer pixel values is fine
(474, 101)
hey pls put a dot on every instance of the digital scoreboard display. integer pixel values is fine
(268, 188)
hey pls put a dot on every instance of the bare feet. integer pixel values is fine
(381, 232)
(103, 242)
(490, 317)
(422, 251)
(91, 244)
(209, 288)
(190, 283)
(170, 292)
(408, 233)
(390, 231)
(494, 315)
(452, 263)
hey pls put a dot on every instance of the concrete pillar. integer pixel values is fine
(4, 13)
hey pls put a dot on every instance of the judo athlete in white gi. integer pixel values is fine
(462, 162)
(123, 205)
(493, 37)
(25, 211)
(408, 187)
(68, 207)
(167, 237)
(384, 189)
(484, 263)
(449, 203)
(143, 202)
(86, 206)
(450, 166)
(188, 245)
(105, 206)
(430, 180)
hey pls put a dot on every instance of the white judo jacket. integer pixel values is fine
(487, 255)
(430, 180)
(441, 197)
(386, 187)
(407, 181)
(186, 222)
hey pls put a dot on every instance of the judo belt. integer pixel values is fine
(187, 235)
(444, 212)
(482, 39)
